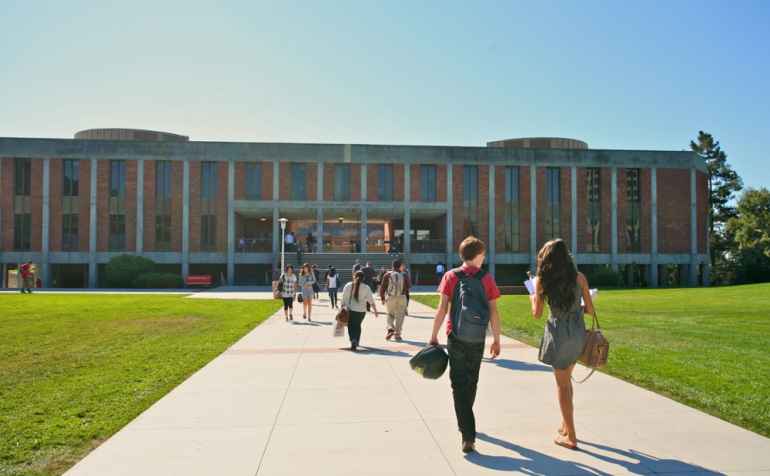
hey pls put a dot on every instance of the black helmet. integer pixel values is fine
(430, 362)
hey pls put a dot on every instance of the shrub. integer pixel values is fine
(604, 276)
(122, 270)
(159, 281)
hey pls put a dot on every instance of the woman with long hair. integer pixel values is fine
(332, 281)
(316, 288)
(382, 274)
(306, 282)
(354, 297)
(560, 285)
(289, 280)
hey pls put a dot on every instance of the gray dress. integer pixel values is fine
(306, 285)
(564, 336)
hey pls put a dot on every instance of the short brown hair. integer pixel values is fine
(471, 247)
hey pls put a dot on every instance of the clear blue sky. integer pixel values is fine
(616, 74)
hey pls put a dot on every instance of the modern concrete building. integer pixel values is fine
(213, 207)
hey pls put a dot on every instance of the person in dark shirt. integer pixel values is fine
(369, 275)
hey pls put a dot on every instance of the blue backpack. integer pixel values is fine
(469, 311)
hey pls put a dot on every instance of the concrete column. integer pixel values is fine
(93, 270)
(533, 220)
(363, 230)
(573, 220)
(693, 231)
(491, 245)
(320, 181)
(140, 207)
(662, 275)
(231, 222)
(276, 181)
(614, 221)
(705, 278)
(1, 234)
(629, 275)
(449, 218)
(407, 228)
(186, 220)
(277, 238)
(655, 275)
(363, 182)
(44, 271)
(5, 276)
(320, 244)
(407, 192)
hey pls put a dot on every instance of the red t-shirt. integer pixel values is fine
(25, 271)
(449, 283)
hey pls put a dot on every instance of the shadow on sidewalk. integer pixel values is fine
(534, 462)
(518, 365)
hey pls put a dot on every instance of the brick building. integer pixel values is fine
(213, 207)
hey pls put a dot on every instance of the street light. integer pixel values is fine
(283, 238)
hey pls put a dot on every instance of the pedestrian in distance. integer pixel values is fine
(392, 295)
(394, 247)
(440, 270)
(299, 254)
(406, 293)
(561, 285)
(289, 242)
(356, 296)
(369, 275)
(356, 267)
(26, 279)
(311, 242)
(332, 281)
(38, 284)
(382, 274)
(316, 287)
(306, 282)
(287, 293)
(465, 343)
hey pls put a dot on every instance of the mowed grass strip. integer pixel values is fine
(708, 348)
(76, 368)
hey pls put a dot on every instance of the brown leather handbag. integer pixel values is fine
(596, 352)
(344, 313)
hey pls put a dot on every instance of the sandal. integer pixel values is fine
(291, 318)
(561, 442)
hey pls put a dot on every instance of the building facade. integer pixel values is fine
(213, 207)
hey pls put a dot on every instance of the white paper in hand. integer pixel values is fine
(530, 285)
(593, 293)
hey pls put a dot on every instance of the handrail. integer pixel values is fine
(253, 245)
(428, 246)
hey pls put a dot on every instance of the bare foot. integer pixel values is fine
(565, 442)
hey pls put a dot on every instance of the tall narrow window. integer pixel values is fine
(70, 191)
(341, 183)
(209, 206)
(633, 212)
(385, 183)
(22, 215)
(163, 206)
(428, 183)
(512, 209)
(117, 205)
(470, 202)
(298, 174)
(593, 210)
(553, 205)
(253, 181)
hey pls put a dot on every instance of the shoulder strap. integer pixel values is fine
(594, 321)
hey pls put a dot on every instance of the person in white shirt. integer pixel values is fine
(289, 240)
(332, 281)
(289, 284)
(355, 296)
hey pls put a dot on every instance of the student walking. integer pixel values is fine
(406, 293)
(369, 275)
(306, 282)
(311, 241)
(392, 295)
(356, 296)
(560, 285)
(465, 352)
(289, 241)
(287, 293)
(332, 281)
(316, 287)
(356, 266)
(26, 279)
(299, 254)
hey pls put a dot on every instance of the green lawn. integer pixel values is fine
(76, 368)
(708, 348)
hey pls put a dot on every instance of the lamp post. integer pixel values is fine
(283, 238)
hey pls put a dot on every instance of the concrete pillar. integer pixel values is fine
(407, 180)
(1, 234)
(491, 252)
(662, 275)
(93, 270)
(407, 244)
(533, 220)
(693, 232)
(277, 238)
(231, 222)
(654, 229)
(320, 244)
(573, 220)
(140, 207)
(44, 271)
(364, 227)
(186, 220)
(629, 275)
(705, 278)
(363, 183)
(449, 219)
(614, 220)
(276, 181)
(5, 275)
(363, 231)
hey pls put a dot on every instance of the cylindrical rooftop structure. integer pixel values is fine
(130, 134)
(539, 143)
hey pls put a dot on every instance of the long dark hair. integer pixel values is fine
(557, 274)
(359, 277)
(332, 272)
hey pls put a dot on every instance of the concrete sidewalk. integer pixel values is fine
(291, 399)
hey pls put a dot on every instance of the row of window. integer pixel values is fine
(117, 228)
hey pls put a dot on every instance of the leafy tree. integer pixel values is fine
(724, 182)
(123, 269)
(751, 229)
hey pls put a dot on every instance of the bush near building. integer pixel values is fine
(122, 270)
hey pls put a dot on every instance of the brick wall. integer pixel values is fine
(540, 177)
(284, 181)
(499, 225)
(673, 210)
(55, 180)
(6, 203)
(415, 182)
(102, 205)
(582, 209)
(329, 184)
(525, 207)
(442, 175)
(398, 182)
(132, 169)
(622, 208)
(267, 180)
(355, 182)
(149, 192)
(84, 206)
(702, 209)
(312, 181)
(194, 207)
(646, 217)
(565, 210)
(371, 182)
(240, 181)
(605, 192)
(177, 204)
(222, 215)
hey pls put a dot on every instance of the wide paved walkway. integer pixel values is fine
(291, 399)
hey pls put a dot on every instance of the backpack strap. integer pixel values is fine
(461, 274)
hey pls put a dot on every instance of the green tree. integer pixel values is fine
(724, 183)
(751, 228)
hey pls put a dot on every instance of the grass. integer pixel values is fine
(76, 368)
(708, 348)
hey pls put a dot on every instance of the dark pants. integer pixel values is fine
(333, 296)
(464, 366)
(354, 325)
(288, 303)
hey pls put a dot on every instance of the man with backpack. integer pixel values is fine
(26, 279)
(473, 294)
(394, 284)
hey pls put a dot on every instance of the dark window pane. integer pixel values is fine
(75, 178)
(67, 185)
